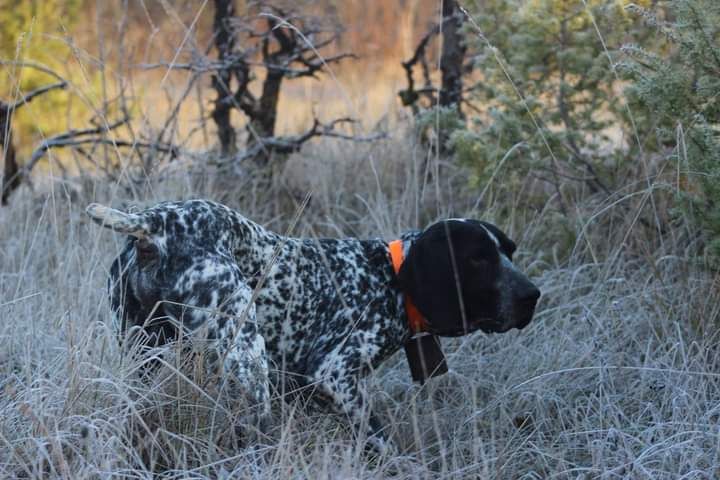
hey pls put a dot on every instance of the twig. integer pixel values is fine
(69, 138)
(293, 143)
(34, 65)
(27, 98)
(47, 145)
(410, 95)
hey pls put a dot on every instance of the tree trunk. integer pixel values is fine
(262, 123)
(225, 44)
(11, 171)
(452, 56)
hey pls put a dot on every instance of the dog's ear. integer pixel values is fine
(448, 272)
(507, 246)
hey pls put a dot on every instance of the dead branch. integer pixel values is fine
(74, 142)
(91, 136)
(88, 136)
(288, 46)
(11, 171)
(28, 97)
(293, 143)
(34, 65)
(451, 63)
(410, 95)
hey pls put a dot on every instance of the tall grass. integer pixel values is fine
(617, 376)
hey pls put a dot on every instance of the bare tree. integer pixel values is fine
(15, 172)
(451, 63)
(12, 174)
(267, 44)
(277, 44)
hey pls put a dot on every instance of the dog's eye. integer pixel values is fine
(479, 262)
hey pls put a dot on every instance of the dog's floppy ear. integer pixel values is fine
(430, 276)
(507, 246)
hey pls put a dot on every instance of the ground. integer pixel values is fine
(617, 376)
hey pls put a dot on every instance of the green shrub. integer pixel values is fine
(678, 85)
(548, 84)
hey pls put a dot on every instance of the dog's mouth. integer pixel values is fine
(498, 326)
(487, 325)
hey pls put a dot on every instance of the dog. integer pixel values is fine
(321, 312)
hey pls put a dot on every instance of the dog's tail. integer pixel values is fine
(129, 223)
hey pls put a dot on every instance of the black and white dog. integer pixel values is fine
(325, 312)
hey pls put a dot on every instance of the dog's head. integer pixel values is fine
(460, 275)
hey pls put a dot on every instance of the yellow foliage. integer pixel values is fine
(37, 31)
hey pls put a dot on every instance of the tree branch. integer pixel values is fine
(27, 98)
(34, 65)
(71, 142)
(67, 138)
(410, 95)
(293, 143)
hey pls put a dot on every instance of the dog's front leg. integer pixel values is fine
(337, 389)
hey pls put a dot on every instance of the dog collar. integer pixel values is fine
(416, 321)
(423, 351)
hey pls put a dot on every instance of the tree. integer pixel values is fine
(275, 44)
(678, 89)
(450, 93)
(549, 85)
(12, 174)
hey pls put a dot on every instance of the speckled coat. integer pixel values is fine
(311, 316)
(316, 313)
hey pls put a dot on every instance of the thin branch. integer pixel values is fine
(66, 138)
(410, 95)
(34, 65)
(27, 98)
(293, 143)
(422, 45)
(313, 67)
(47, 145)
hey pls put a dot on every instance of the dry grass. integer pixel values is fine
(617, 377)
(611, 380)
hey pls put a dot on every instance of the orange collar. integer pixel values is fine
(415, 319)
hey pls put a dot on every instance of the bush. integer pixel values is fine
(678, 86)
(548, 84)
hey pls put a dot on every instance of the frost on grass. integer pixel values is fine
(617, 377)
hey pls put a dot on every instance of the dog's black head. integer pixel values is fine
(459, 274)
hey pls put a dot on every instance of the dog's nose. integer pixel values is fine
(529, 295)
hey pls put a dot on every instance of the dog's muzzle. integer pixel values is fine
(519, 310)
(524, 303)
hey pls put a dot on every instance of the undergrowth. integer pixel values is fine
(616, 376)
